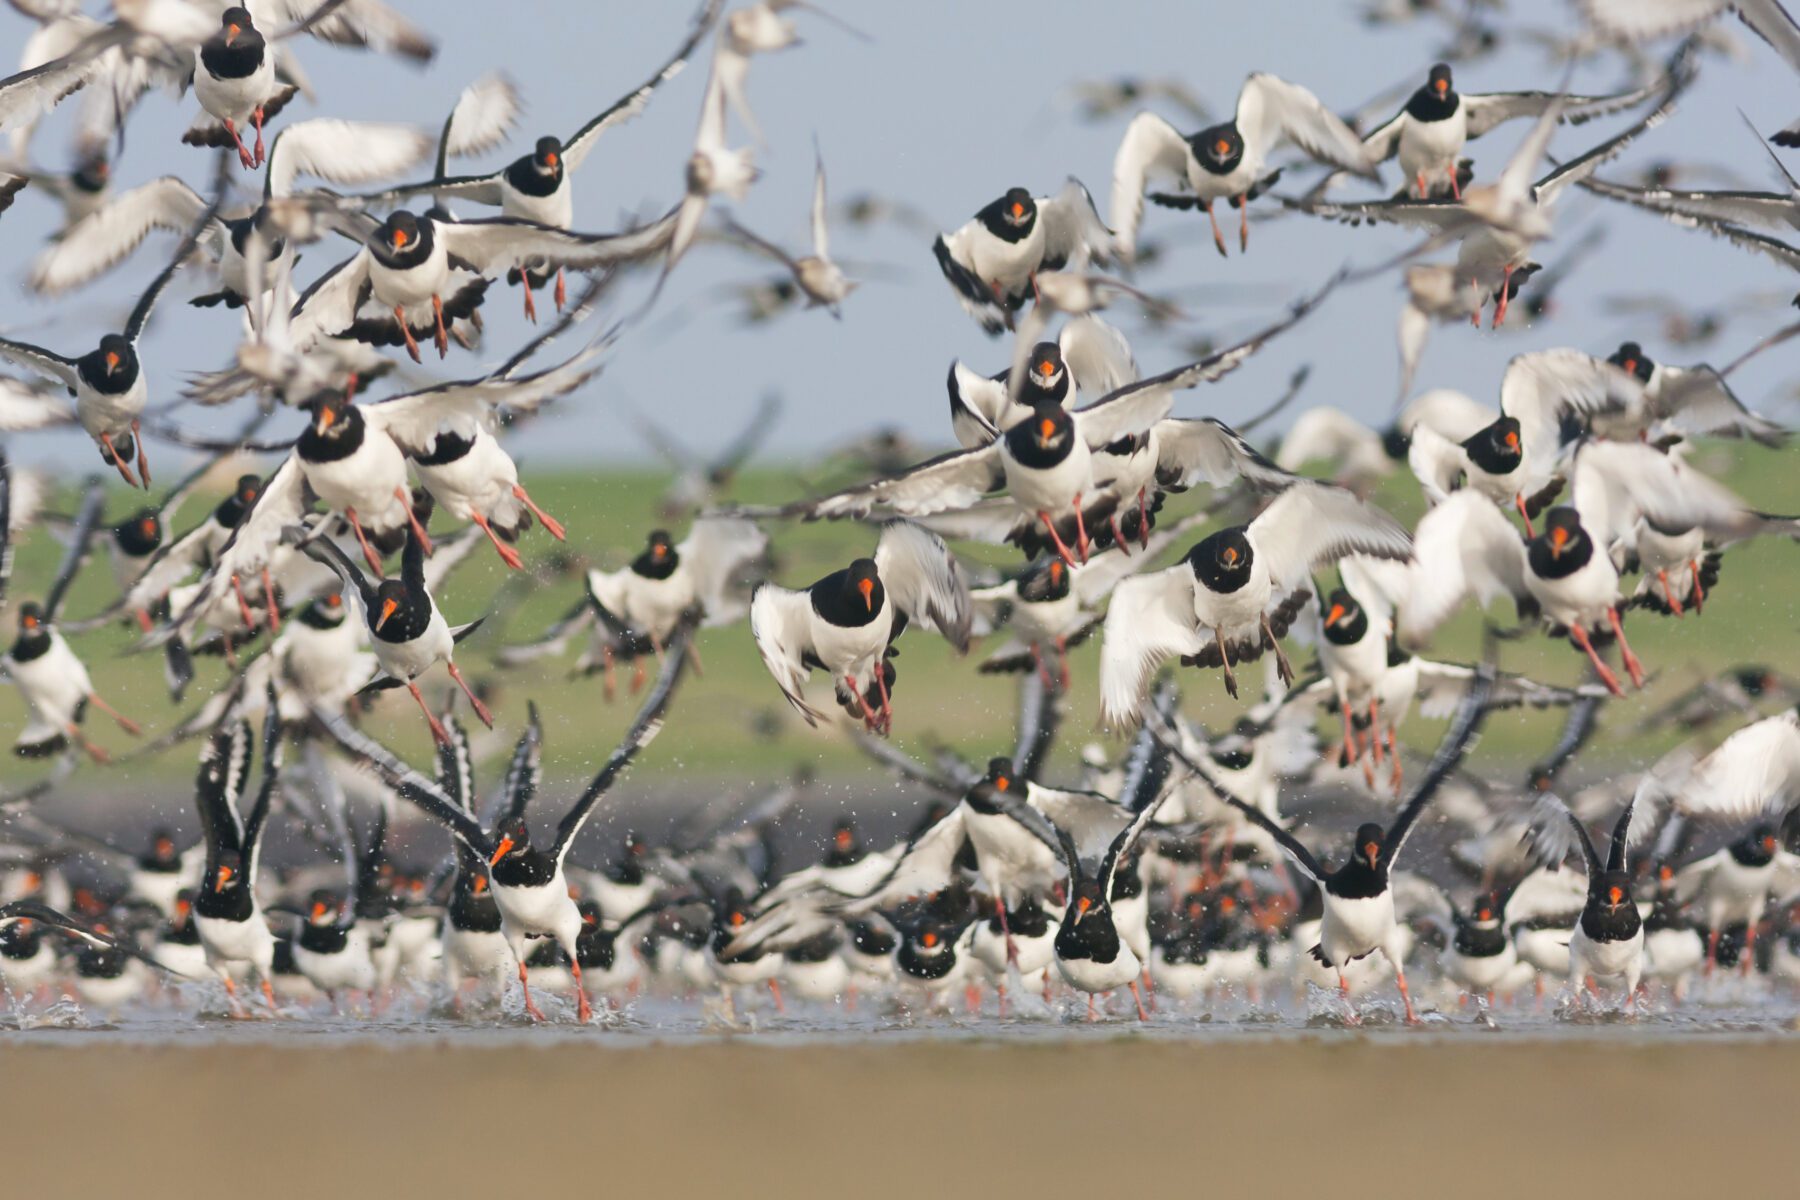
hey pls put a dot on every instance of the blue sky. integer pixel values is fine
(946, 107)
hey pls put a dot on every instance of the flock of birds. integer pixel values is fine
(1168, 869)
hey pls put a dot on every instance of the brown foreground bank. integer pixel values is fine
(1340, 1117)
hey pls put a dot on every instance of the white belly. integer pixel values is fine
(1236, 182)
(1085, 975)
(1578, 599)
(350, 968)
(1483, 974)
(229, 942)
(989, 948)
(159, 888)
(100, 413)
(182, 959)
(820, 981)
(1545, 949)
(23, 974)
(1671, 953)
(1239, 614)
(480, 956)
(1181, 979)
(1607, 960)
(556, 209)
(1355, 669)
(1013, 862)
(546, 911)
(365, 481)
(54, 683)
(1735, 892)
(235, 100)
(852, 651)
(1054, 489)
(323, 664)
(409, 660)
(411, 288)
(1432, 146)
(481, 481)
(1351, 929)
(113, 993)
(1008, 264)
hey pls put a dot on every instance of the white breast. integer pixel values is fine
(1432, 146)
(1088, 976)
(1353, 928)
(54, 683)
(852, 650)
(235, 100)
(411, 288)
(1008, 264)
(365, 480)
(409, 660)
(477, 482)
(229, 942)
(100, 413)
(1355, 669)
(1051, 489)
(545, 910)
(556, 209)
(1581, 598)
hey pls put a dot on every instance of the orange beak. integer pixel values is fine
(549, 160)
(867, 588)
(149, 527)
(1442, 85)
(1046, 367)
(1371, 851)
(501, 851)
(1769, 844)
(480, 885)
(1486, 914)
(399, 238)
(928, 939)
(29, 622)
(112, 362)
(318, 911)
(659, 553)
(1630, 366)
(1231, 556)
(231, 33)
(1222, 147)
(1614, 895)
(1002, 784)
(1512, 441)
(1046, 427)
(1559, 537)
(737, 919)
(388, 608)
(225, 874)
(1082, 905)
(1018, 210)
(1056, 568)
(1337, 614)
(843, 839)
(333, 600)
(327, 417)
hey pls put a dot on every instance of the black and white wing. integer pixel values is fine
(1541, 387)
(927, 865)
(1552, 832)
(1645, 20)
(724, 556)
(347, 152)
(105, 237)
(1138, 405)
(1752, 770)
(1471, 551)
(925, 581)
(1443, 685)
(27, 404)
(29, 94)
(484, 113)
(980, 409)
(363, 23)
(781, 623)
(957, 480)
(329, 305)
(1311, 525)
(219, 787)
(493, 245)
(81, 538)
(1091, 820)
(1486, 110)
(1470, 715)
(279, 507)
(47, 363)
(644, 728)
(1271, 109)
(1616, 483)
(368, 755)
(1121, 847)
(1150, 620)
(1074, 235)
(1195, 450)
(581, 143)
(7, 504)
(1696, 400)
(1153, 151)
(1581, 168)
(524, 772)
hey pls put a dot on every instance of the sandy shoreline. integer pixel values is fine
(1355, 1116)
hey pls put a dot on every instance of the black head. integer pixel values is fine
(1045, 437)
(1345, 620)
(1631, 359)
(1756, 681)
(234, 21)
(31, 618)
(659, 560)
(1370, 840)
(862, 586)
(1046, 580)
(114, 363)
(139, 535)
(163, 851)
(399, 237)
(1758, 846)
(232, 508)
(226, 877)
(846, 847)
(1045, 367)
(1563, 534)
(1487, 909)
(514, 842)
(335, 418)
(1014, 212)
(1087, 901)
(1612, 890)
(324, 908)
(393, 599)
(1218, 149)
(324, 612)
(1497, 448)
(1222, 560)
(1439, 80)
(547, 157)
(92, 174)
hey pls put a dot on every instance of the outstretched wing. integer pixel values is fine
(1457, 739)
(371, 756)
(925, 581)
(781, 623)
(1150, 620)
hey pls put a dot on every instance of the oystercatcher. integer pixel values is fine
(991, 262)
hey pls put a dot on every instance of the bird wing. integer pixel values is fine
(32, 404)
(925, 581)
(484, 113)
(1074, 235)
(1269, 109)
(1152, 149)
(329, 305)
(351, 152)
(1552, 831)
(100, 240)
(1383, 142)
(1093, 821)
(1097, 356)
(29, 94)
(644, 728)
(414, 418)
(1446, 410)
(87, 520)
(577, 147)
(719, 553)
(371, 756)
(46, 363)
(951, 481)
(280, 506)
(1437, 463)
(368, 24)
(1549, 188)
(1697, 400)
(1616, 482)
(1543, 385)
(1464, 547)
(1151, 619)
(494, 244)
(1467, 723)
(1443, 685)
(927, 865)
(979, 407)
(1753, 768)
(1486, 110)
(1312, 524)
(781, 623)
(524, 772)
(224, 770)
(1193, 450)
(821, 234)
(1134, 407)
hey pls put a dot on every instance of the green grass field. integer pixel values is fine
(731, 727)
